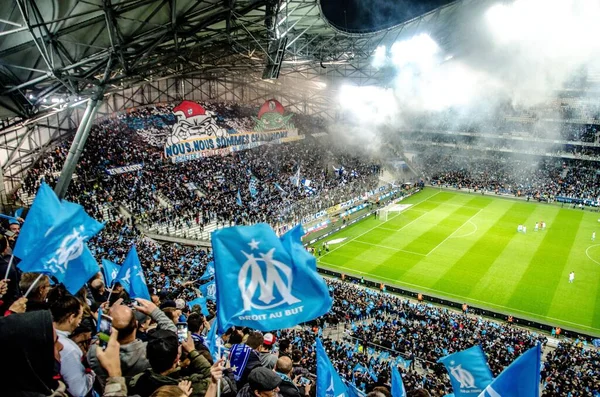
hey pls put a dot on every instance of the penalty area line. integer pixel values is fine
(375, 227)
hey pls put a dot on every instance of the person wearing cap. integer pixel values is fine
(163, 352)
(262, 382)
(132, 349)
(268, 359)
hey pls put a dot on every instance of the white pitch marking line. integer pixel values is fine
(468, 234)
(373, 228)
(444, 240)
(588, 255)
(390, 248)
(462, 298)
(457, 205)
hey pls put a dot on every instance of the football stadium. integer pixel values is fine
(299, 198)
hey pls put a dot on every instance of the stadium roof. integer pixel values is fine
(63, 50)
(364, 16)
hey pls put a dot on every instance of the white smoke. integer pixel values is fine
(520, 52)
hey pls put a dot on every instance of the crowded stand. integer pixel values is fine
(145, 354)
(514, 175)
(202, 192)
(379, 329)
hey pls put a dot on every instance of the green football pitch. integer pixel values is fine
(465, 247)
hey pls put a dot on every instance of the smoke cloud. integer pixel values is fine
(496, 58)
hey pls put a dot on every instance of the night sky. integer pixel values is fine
(371, 15)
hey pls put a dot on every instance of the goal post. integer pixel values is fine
(383, 214)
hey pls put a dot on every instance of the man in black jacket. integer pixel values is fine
(287, 388)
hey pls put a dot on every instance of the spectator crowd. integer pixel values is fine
(50, 339)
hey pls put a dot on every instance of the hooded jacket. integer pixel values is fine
(27, 342)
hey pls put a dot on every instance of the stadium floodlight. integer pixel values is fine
(420, 49)
(379, 56)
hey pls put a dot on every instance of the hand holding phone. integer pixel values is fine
(104, 329)
(182, 332)
(304, 381)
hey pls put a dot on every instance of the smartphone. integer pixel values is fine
(304, 381)
(182, 332)
(104, 329)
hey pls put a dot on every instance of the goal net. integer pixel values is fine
(390, 210)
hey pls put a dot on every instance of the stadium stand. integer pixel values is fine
(378, 327)
(135, 63)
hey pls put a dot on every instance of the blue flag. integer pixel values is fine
(110, 270)
(253, 186)
(468, 370)
(238, 199)
(212, 341)
(398, 389)
(209, 272)
(519, 379)
(52, 240)
(329, 383)
(278, 186)
(360, 368)
(19, 212)
(200, 301)
(131, 276)
(265, 282)
(372, 374)
(353, 391)
(209, 290)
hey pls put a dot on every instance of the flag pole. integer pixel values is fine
(9, 265)
(218, 380)
(33, 285)
(109, 294)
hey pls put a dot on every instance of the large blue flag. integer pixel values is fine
(209, 290)
(265, 282)
(110, 270)
(468, 370)
(329, 383)
(131, 276)
(398, 389)
(209, 272)
(519, 379)
(52, 240)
